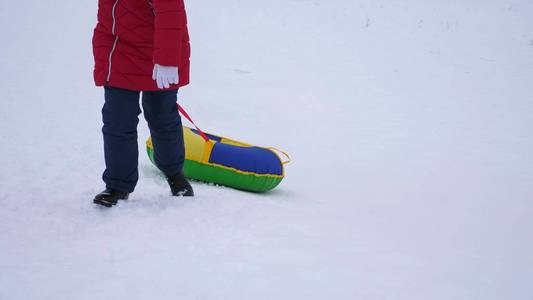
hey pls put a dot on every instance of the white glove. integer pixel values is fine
(165, 76)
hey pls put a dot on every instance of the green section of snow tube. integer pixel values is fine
(209, 173)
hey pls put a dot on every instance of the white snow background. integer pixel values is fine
(409, 124)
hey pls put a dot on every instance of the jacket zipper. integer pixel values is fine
(151, 6)
(114, 43)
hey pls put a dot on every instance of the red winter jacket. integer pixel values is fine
(133, 35)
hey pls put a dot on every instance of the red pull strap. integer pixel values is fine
(186, 115)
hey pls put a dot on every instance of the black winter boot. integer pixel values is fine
(179, 185)
(110, 197)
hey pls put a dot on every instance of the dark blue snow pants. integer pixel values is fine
(120, 117)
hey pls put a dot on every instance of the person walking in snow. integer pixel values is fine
(141, 46)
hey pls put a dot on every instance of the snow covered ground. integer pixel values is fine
(410, 126)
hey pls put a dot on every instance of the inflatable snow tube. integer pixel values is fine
(227, 162)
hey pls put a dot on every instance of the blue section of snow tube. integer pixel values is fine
(249, 159)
